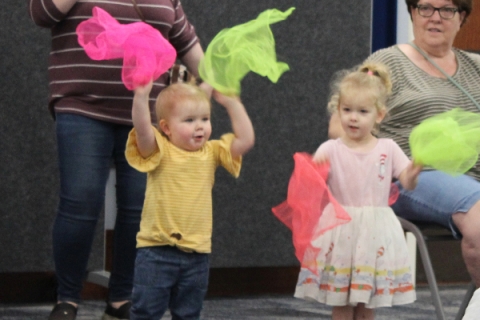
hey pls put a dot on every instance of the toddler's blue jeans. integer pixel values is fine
(86, 150)
(166, 277)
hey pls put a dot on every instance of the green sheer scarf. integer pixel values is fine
(246, 47)
(449, 141)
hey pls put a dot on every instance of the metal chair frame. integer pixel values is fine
(427, 264)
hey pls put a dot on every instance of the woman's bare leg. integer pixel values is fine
(469, 225)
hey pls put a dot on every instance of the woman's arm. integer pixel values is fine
(191, 60)
(64, 5)
(146, 142)
(241, 124)
(47, 13)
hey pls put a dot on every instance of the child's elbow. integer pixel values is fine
(248, 144)
(241, 147)
(251, 142)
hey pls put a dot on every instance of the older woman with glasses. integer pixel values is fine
(420, 90)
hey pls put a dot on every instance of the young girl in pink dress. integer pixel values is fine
(364, 263)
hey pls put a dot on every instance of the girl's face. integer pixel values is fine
(358, 116)
(435, 31)
(188, 125)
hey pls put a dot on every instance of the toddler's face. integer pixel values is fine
(358, 115)
(188, 126)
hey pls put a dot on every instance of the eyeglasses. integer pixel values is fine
(426, 10)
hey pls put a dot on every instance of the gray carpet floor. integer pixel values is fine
(266, 308)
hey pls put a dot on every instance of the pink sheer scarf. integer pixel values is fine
(146, 53)
(308, 196)
(305, 211)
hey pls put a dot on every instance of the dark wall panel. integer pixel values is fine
(316, 40)
(28, 169)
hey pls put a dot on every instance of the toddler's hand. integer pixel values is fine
(144, 90)
(206, 88)
(225, 100)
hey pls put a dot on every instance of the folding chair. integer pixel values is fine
(421, 238)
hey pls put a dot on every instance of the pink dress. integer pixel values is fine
(365, 260)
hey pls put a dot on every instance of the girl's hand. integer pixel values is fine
(416, 168)
(413, 170)
(320, 158)
(409, 177)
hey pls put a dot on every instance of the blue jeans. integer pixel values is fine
(437, 197)
(86, 150)
(166, 277)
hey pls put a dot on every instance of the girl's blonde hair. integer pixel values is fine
(371, 78)
(179, 94)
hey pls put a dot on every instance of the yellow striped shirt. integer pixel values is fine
(178, 200)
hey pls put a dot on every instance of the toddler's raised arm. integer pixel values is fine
(142, 121)
(241, 123)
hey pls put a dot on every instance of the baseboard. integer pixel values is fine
(252, 281)
(39, 287)
(27, 287)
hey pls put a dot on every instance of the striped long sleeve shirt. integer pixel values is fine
(95, 89)
(417, 95)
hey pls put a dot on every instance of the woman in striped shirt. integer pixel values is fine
(92, 109)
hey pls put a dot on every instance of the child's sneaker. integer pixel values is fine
(122, 313)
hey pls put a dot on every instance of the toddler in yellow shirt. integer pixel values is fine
(174, 241)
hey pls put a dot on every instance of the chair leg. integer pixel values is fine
(427, 264)
(466, 299)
